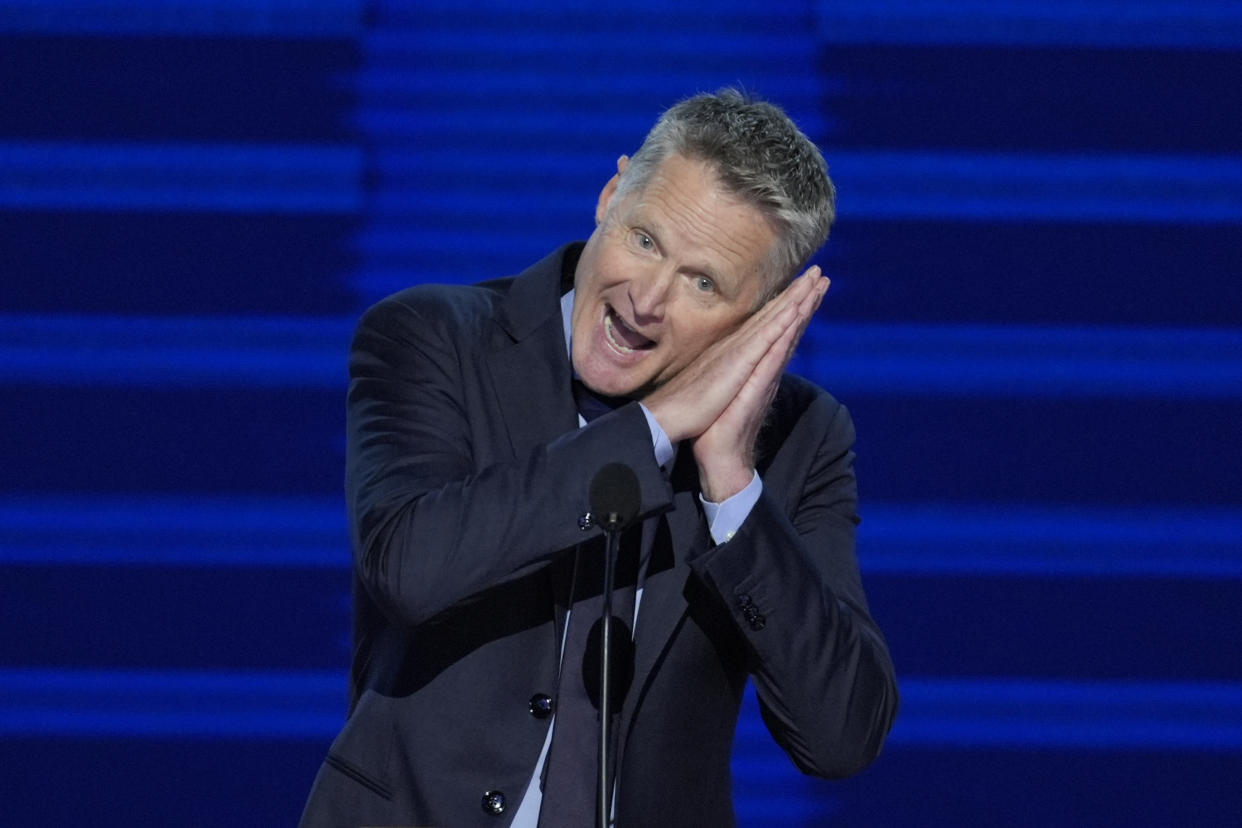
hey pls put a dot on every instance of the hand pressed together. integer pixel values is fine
(719, 401)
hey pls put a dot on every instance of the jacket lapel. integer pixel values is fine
(679, 533)
(532, 382)
(529, 361)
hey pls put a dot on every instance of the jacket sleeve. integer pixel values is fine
(790, 579)
(435, 518)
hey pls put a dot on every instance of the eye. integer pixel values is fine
(643, 240)
(704, 284)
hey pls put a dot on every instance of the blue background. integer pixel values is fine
(1036, 319)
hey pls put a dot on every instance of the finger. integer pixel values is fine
(743, 349)
(793, 293)
(807, 292)
(812, 305)
(815, 289)
(721, 371)
(802, 287)
(768, 370)
(796, 300)
(751, 341)
(786, 344)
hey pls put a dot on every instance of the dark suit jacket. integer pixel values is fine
(466, 477)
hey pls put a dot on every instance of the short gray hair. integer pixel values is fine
(761, 157)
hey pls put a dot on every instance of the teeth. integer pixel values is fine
(612, 339)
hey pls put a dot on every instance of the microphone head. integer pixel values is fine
(615, 496)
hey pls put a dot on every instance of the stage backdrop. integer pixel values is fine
(1036, 319)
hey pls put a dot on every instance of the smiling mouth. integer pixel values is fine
(624, 338)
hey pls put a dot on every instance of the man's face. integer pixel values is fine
(667, 272)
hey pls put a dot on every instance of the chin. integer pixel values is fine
(611, 386)
(609, 389)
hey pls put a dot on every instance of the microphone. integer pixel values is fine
(615, 500)
(615, 496)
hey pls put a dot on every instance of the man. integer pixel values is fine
(469, 469)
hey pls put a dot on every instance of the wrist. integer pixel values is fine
(662, 413)
(718, 484)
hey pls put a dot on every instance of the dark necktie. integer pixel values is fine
(592, 405)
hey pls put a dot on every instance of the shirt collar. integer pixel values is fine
(567, 312)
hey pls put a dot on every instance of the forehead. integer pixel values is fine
(695, 216)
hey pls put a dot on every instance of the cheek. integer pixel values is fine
(690, 340)
(608, 268)
(685, 344)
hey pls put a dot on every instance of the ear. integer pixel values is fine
(610, 189)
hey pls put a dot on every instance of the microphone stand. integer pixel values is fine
(611, 538)
(615, 496)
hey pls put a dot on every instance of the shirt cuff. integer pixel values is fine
(724, 519)
(659, 440)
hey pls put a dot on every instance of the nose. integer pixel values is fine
(649, 293)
